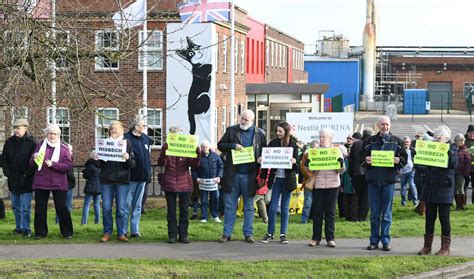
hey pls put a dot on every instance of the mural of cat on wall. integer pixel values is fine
(199, 100)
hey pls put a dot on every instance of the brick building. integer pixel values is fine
(445, 71)
(110, 85)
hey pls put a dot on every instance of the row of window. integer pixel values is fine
(239, 56)
(108, 41)
(298, 60)
(276, 54)
(104, 116)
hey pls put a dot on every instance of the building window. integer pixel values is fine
(27, 5)
(63, 121)
(154, 121)
(19, 112)
(104, 116)
(62, 43)
(15, 43)
(267, 52)
(272, 49)
(236, 56)
(154, 50)
(224, 119)
(224, 53)
(257, 58)
(217, 53)
(242, 57)
(106, 42)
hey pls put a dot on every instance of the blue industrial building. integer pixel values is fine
(342, 75)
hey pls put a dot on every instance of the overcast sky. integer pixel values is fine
(400, 22)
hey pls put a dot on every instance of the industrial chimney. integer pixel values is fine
(368, 63)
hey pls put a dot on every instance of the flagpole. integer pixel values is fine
(145, 67)
(232, 64)
(53, 63)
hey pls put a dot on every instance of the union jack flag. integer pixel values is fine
(194, 11)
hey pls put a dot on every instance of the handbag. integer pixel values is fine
(161, 178)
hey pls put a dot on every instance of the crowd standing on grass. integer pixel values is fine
(45, 167)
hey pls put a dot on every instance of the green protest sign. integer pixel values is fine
(181, 145)
(431, 153)
(471, 150)
(382, 158)
(39, 159)
(242, 156)
(324, 158)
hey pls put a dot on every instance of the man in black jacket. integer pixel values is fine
(15, 162)
(357, 174)
(241, 179)
(381, 183)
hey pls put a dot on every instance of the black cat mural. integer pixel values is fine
(199, 100)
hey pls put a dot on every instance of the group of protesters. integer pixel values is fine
(355, 184)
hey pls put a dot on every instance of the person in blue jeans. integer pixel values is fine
(140, 174)
(241, 179)
(381, 183)
(407, 174)
(282, 182)
(115, 178)
(308, 193)
(92, 190)
(208, 176)
(15, 163)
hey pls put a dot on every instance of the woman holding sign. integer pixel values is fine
(326, 163)
(115, 178)
(177, 184)
(438, 192)
(282, 181)
(53, 162)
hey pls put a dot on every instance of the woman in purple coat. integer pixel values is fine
(53, 161)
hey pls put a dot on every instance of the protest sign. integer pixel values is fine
(208, 184)
(110, 149)
(242, 156)
(382, 158)
(431, 153)
(308, 125)
(277, 157)
(324, 158)
(180, 145)
(39, 159)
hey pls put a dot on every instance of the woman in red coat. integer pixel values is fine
(177, 183)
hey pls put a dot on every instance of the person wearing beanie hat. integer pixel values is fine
(20, 174)
(356, 135)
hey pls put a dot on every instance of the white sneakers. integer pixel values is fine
(217, 220)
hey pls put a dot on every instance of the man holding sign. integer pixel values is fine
(384, 156)
(240, 173)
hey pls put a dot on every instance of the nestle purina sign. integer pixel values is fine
(307, 125)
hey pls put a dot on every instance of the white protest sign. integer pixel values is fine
(110, 149)
(208, 184)
(277, 157)
(307, 125)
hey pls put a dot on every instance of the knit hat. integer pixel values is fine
(356, 135)
(470, 128)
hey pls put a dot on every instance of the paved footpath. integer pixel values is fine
(234, 250)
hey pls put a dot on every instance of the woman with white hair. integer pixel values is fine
(438, 195)
(325, 185)
(208, 176)
(53, 162)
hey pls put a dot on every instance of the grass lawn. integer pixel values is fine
(406, 223)
(373, 267)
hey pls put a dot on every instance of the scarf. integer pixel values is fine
(42, 150)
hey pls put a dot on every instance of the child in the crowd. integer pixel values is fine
(92, 190)
(260, 199)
